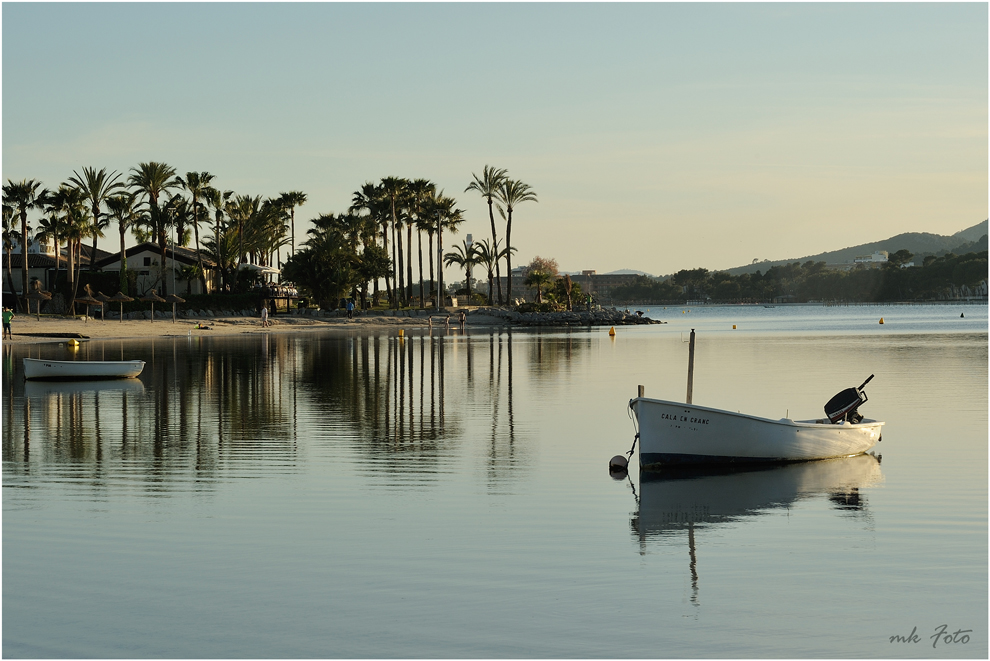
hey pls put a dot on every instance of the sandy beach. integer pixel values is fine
(29, 329)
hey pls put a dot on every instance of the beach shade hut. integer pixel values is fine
(37, 295)
(152, 297)
(121, 298)
(173, 299)
(87, 299)
(103, 299)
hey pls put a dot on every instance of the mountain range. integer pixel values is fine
(920, 244)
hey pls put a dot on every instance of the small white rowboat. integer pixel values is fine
(676, 433)
(66, 370)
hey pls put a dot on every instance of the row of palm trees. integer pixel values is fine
(154, 201)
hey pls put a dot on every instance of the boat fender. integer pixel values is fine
(618, 463)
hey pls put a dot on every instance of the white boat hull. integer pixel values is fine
(673, 433)
(35, 368)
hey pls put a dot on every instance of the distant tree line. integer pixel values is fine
(942, 277)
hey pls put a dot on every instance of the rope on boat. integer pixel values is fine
(632, 450)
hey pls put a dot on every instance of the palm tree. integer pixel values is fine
(487, 185)
(464, 256)
(196, 184)
(123, 210)
(218, 201)
(10, 237)
(395, 189)
(371, 198)
(421, 191)
(511, 194)
(489, 257)
(23, 195)
(240, 210)
(538, 278)
(68, 218)
(442, 208)
(96, 187)
(151, 180)
(291, 200)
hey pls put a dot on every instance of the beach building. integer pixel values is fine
(145, 260)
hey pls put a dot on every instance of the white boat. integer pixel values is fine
(67, 370)
(673, 433)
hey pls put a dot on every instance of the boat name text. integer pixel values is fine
(683, 418)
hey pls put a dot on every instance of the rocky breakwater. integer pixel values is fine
(603, 317)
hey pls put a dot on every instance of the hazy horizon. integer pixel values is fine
(658, 137)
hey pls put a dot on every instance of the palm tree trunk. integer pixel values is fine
(10, 273)
(508, 256)
(422, 296)
(123, 262)
(432, 276)
(401, 290)
(409, 270)
(199, 259)
(498, 272)
(24, 261)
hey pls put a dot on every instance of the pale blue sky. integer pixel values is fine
(657, 136)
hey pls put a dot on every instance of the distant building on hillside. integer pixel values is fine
(877, 258)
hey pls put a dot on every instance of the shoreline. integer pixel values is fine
(30, 330)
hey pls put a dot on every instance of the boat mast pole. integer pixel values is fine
(690, 383)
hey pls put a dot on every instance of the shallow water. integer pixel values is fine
(334, 495)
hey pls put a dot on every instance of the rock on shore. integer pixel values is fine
(603, 317)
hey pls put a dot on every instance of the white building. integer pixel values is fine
(879, 257)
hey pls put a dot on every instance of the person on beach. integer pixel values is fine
(350, 309)
(462, 319)
(446, 323)
(8, 314)
(264, 316)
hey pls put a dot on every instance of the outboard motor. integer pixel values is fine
(843, 406)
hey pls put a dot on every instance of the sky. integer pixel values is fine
(657, 137)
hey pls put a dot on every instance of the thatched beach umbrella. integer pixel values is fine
(37, 295)
(152, 297)
(103, 299)
(173, 299)
(87, 299)
(122, 298)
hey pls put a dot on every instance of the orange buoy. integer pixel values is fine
(611, 331)
(881, 320)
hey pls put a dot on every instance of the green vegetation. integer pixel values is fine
(343, 254)
(938, 278)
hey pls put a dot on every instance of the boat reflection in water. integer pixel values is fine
(685, 500)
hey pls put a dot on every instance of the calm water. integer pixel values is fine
(448, 496)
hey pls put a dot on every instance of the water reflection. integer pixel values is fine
(208, 408)
(682, 502)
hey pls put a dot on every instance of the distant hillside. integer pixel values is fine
(920, 244)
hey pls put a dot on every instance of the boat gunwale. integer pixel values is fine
(88, 362)
(784, 422)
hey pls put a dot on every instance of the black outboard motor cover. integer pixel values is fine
(843, 406)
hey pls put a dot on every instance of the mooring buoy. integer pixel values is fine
(881, 320)
(618, 467)
(611, 331)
